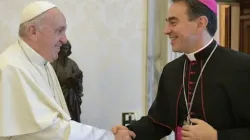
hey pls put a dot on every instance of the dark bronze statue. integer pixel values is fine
(70, 78)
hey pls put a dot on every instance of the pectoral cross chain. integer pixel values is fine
(187, 121)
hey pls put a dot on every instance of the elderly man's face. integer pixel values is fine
(51, 35)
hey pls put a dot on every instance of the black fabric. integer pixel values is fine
(147, 129)
(222, 99)
(193, 70)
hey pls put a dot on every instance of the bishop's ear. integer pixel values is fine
(202, 22)
(32, 32)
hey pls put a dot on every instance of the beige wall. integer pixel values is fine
(235, 23)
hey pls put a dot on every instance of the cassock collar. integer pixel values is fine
(202, 53)
(32, 55)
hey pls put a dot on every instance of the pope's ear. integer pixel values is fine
(32, 31)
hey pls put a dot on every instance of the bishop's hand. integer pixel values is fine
(200, 130)
(123, 133)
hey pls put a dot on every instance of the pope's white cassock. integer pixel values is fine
(32, 106)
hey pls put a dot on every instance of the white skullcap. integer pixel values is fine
(34, 9)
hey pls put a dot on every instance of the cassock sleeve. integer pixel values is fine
(239, 94)
(26, 113)
(147, 128)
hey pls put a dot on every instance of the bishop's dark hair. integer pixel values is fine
(197, 9)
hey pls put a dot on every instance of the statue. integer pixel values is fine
(70, 78)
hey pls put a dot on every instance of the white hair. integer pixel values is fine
(23, 28)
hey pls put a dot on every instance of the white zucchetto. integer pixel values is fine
(35, 9)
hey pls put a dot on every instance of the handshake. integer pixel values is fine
(122, 133)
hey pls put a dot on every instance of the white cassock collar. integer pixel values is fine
(31, 54)
(191, 56)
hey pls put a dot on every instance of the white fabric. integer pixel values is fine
(34, 9)
(191, 56)
(32, 106)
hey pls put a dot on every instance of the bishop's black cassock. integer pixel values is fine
(221, 99)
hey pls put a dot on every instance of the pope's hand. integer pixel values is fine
(123, 133)
(118, 127)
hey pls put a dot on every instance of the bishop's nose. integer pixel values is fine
(167, 30)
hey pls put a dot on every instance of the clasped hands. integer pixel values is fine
(199, 131)
(123, 133)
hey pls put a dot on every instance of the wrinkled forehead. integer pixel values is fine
(55, 17)
(178, 10)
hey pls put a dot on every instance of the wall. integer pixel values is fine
(157, 47)
(108, 40)
(235, 23)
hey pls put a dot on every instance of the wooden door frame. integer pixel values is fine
(244, 26)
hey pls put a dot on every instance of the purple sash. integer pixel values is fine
(178, 133)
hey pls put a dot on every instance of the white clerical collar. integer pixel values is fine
(32, 55)
(191, 56)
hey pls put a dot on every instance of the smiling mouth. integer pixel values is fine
(173, 38)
